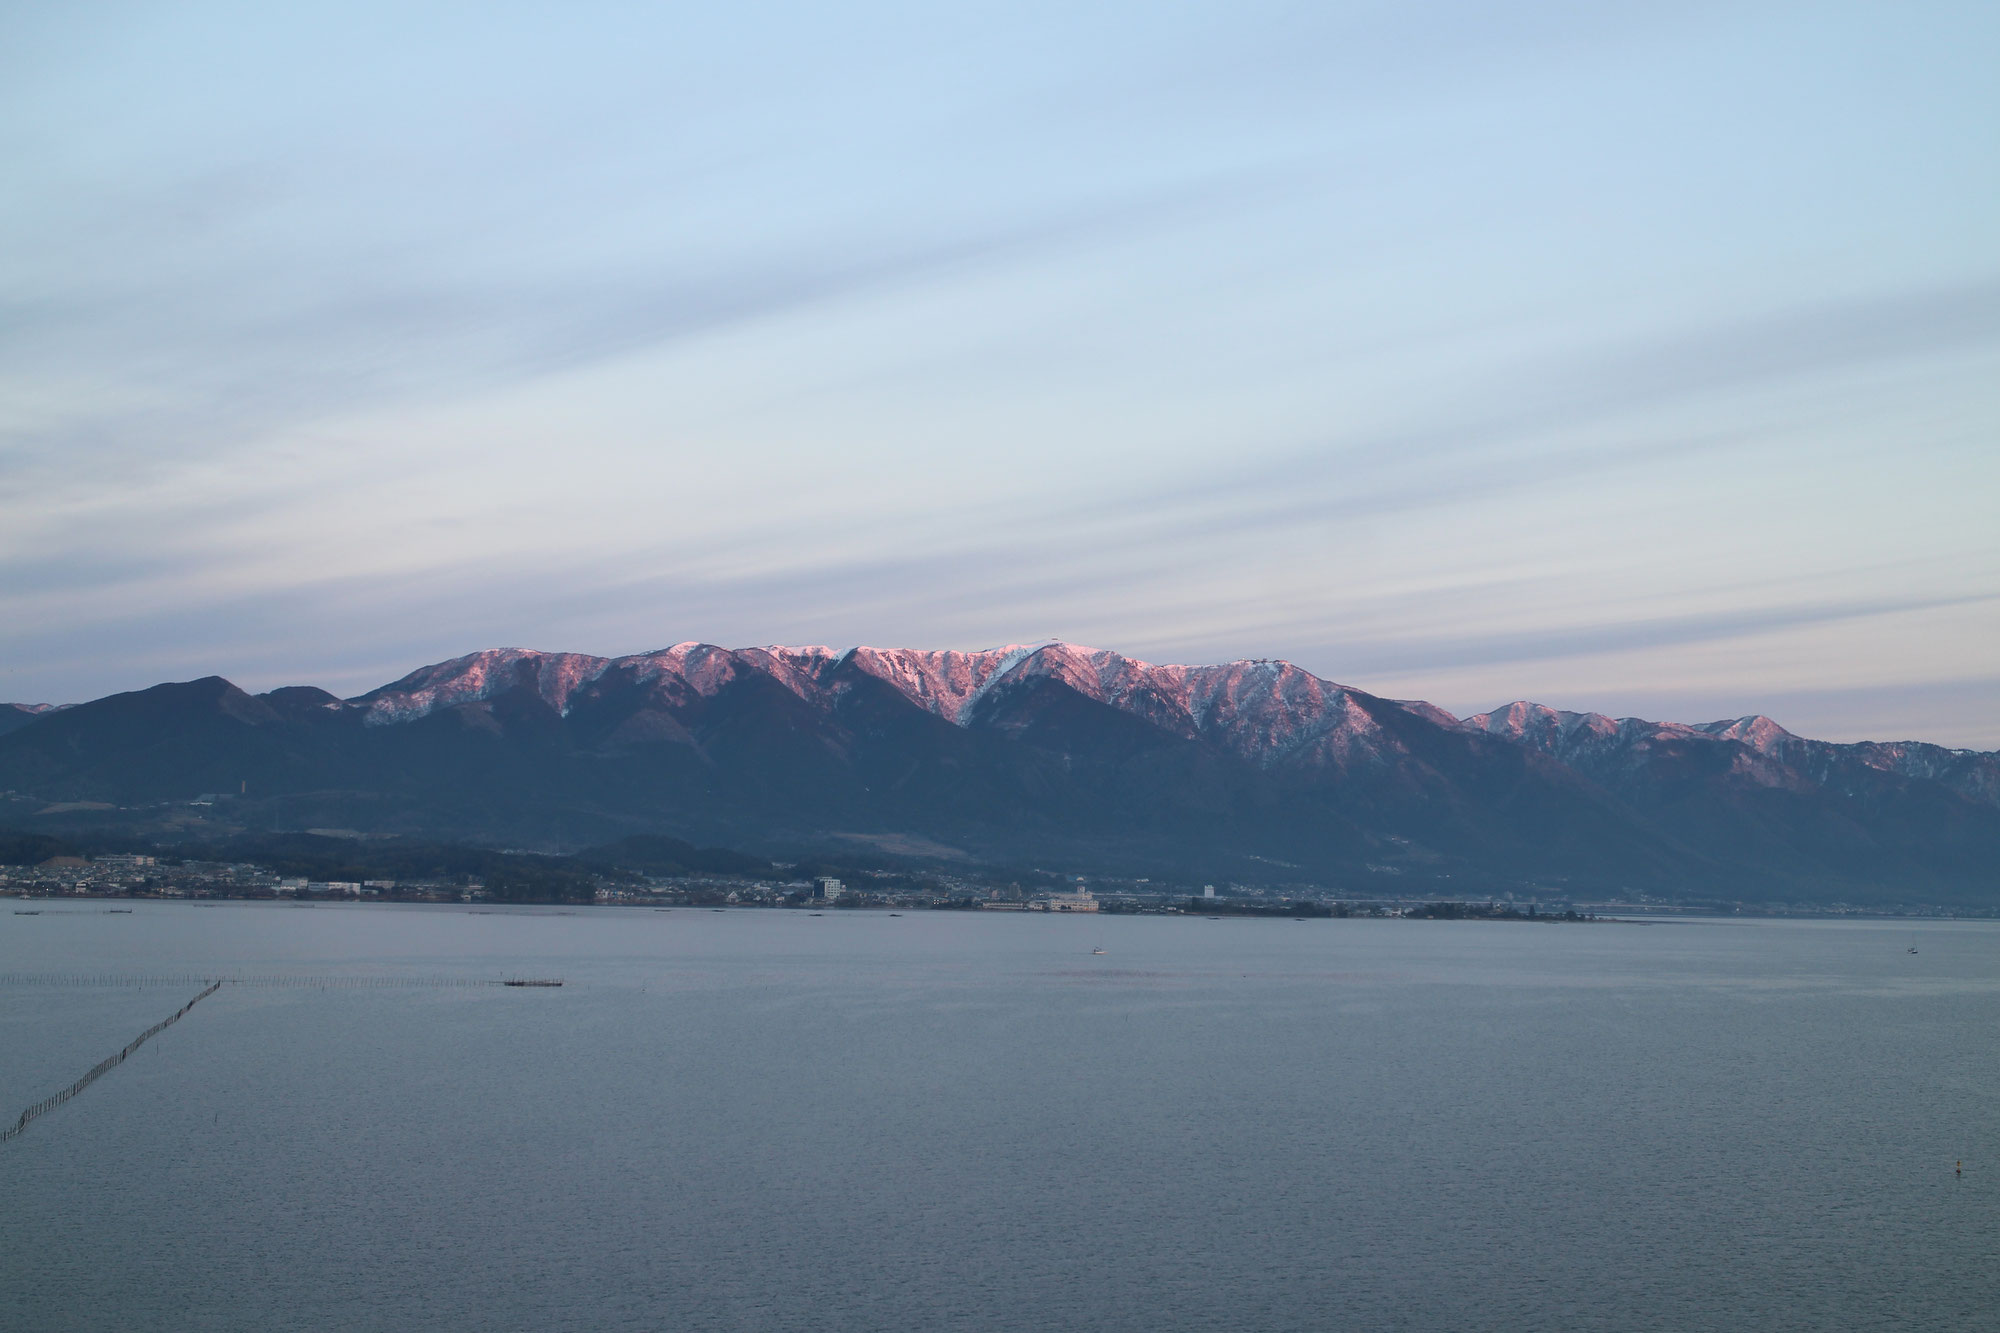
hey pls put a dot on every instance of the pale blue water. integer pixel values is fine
(764, 1120)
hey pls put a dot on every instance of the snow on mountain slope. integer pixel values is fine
(1270, 712)
(700, 668)
(1623, 751)
(695, 668)
(947, 683)
(477, 677)
(1277, 712)
(15, 716)
(800, 670)
(1759, 750)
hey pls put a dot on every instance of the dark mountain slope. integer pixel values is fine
(15, 716)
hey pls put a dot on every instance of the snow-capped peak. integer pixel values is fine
(947, 682)
(1265, 710)
(479, 676)
(1262, 708)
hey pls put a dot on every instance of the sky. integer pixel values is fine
(1642, 358)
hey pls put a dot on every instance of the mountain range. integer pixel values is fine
(1048, 754)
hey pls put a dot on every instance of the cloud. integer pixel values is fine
(1519, 434)
(1424, 653)
(1812, 340)
(201, 362)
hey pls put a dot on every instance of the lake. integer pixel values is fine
(947, 1120)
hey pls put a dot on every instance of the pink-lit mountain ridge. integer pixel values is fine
(1269, 712)
(15, 716)
(1756, 749)
(1034, 754)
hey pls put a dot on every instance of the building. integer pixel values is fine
(825, 889)
(1080, 901)
(126, 862)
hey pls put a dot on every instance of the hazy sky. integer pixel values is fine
(1639, 357)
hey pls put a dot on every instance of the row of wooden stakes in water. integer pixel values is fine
(316, 982)
(104, 1066)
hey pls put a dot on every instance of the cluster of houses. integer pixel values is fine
(1078, 901)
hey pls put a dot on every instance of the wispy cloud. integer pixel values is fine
(249, 355)
(1542, 644)
(1485, 439)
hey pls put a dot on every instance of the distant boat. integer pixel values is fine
(1913, 948)
(815, 913)
(1095, 952)
(18, 912)
(895, 914)
(529, 981)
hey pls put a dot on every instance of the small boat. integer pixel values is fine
(36, 912)
(895, 914)
(117, 911)
(1913, 948)
(815, 913)
(1096, 953)
(531, 981)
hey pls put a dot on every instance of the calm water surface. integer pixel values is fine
(765, 1120)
